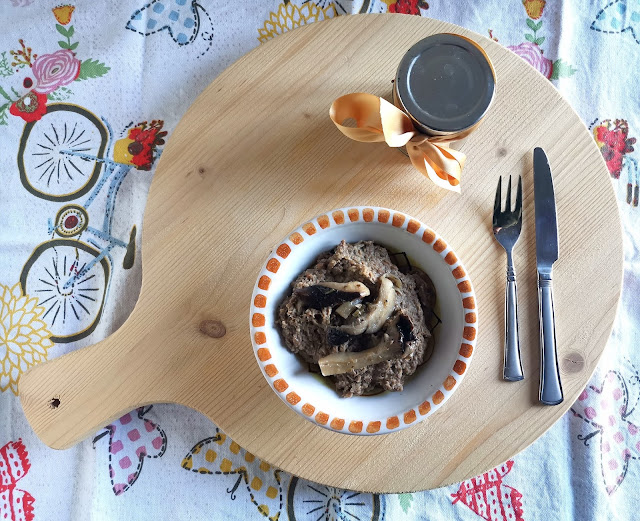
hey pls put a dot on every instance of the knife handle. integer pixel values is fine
(512, 371)
(550, 386)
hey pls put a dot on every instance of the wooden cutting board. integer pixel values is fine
(255, 156)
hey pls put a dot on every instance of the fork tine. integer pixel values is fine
(507, 207)
(498, 203)
(518, 209)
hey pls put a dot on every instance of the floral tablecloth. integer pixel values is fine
(111, 80)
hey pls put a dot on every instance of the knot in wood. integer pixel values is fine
(213, 328)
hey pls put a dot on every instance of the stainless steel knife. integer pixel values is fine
(546, 254)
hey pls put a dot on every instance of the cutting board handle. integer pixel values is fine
(68, 399)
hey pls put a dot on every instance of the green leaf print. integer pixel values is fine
(540, 41)
(62, 30)
(70, 31)
(562, 70)
(60, 94)
(63, 44)
(529, 37)
(405, 501)
(3, 114)
(73, 46)
(5, 95)
(92, 69)
(5, 69)
(534, 26)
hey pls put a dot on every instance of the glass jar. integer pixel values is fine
(445, 83)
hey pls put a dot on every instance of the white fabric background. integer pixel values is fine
(151, 77)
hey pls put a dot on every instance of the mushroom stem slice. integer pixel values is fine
(339, 363)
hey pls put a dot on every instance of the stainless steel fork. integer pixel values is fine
(506, 229)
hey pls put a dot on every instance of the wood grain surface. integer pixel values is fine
(254, 157)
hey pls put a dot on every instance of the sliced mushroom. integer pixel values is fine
(335, 336)
(401, 331)
(396, 281)
(348, 287)
(405, 328)
(346, 308)
(328, 294)
(378, 311)
(394, 343)
(338, 363)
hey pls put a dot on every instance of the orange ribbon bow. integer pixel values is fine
(378, 120)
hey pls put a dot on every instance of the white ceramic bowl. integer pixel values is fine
(314, 397)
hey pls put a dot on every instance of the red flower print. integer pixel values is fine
(138, 148)
(612, 138)
(408, 6)
(145, 139)
(15, 504)
(30, 107)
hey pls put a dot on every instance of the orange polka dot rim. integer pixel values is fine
(434, 382)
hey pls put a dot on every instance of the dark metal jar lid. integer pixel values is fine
(445, 83)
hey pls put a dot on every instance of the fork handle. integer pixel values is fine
(512, 364)
(550, 385)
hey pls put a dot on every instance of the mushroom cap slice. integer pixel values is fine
(378, 311)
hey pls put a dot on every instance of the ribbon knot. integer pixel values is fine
(378, 120)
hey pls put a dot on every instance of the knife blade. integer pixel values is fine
(546, 220)
(546, 256)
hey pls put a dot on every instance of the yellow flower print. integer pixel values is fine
(290, 16)
(24, 337)
(534, 8)
(63, 13)
(121, 152)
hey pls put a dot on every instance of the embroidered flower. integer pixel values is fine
(63, 13)
(30, 107)
(290, 16)
(55, 70)
(138, 148)
(532, 54)
(612, 138)
(24, 337)
(408, 6)
(534, 8)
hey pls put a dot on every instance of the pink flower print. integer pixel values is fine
(532, 54)
(55, 70)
